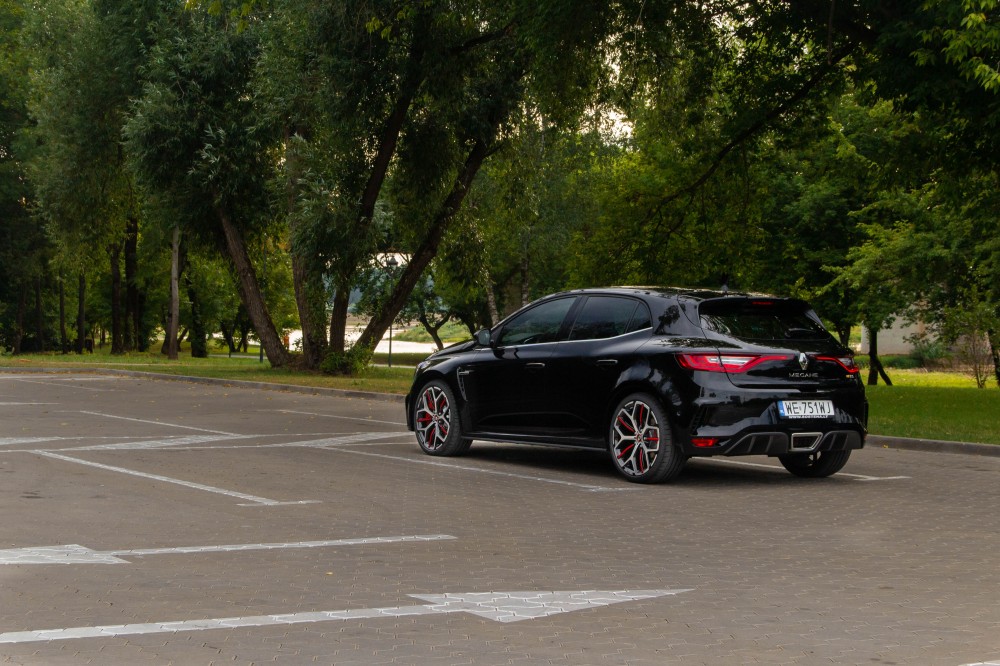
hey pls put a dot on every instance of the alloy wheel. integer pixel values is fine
(635, 437)
(432, 420)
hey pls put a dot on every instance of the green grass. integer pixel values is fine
(927, 405)
(449, 333)
(935, 405)
(239, 367)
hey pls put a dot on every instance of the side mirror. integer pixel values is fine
(483, 338)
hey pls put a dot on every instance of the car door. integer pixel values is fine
(600, 348)
(507, 384)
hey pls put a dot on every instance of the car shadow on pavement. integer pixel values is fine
(525, 459)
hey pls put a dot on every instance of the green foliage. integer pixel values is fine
(967, 35)
(451, 332)
(353, 361)
(967, 324)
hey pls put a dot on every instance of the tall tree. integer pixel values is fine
(195, 145)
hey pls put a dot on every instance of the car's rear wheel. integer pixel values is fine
(815, 465)
(640, 441)
(436, 421)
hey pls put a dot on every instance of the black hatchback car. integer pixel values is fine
(652, 375)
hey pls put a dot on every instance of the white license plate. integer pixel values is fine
(805, 409)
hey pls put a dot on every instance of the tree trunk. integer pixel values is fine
(379, 324)
(227, 335)
(491, 302)
(525, 291)
(133, 311)
(22, 305)
(310, 297)
(338, 320)
(875, 369)
(198, 334)
(39, 319)
(310, 293)
(994, 338)
(63, 339)
(250, 292)
(81, 313)
(117, 330)
(432, 329)
(173, 317)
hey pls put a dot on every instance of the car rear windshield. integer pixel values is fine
(761, 319)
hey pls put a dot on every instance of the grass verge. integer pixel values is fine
(926, 405)
(934, 405)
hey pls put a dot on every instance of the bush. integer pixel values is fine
(928, 349)
(351, 362)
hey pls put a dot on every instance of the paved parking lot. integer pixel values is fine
(146, 521)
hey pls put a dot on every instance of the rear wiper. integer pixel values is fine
(800, 333)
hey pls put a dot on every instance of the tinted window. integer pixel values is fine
(539, 324)
(640, 319)
(762, 320)
(604, 317)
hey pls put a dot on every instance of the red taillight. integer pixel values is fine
(704, 442)
(846, 362)
(734, 363)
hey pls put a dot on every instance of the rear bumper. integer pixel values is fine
(728, 423)
(772, 443)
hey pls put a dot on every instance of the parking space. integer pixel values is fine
(167, 522)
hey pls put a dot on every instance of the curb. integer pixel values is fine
(932, 445)
(880, 441)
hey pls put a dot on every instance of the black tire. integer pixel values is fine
(815, 465)
(437, 423)
(641, 443)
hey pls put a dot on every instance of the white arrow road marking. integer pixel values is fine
(252, 499)
(76, 554)
(497, 606)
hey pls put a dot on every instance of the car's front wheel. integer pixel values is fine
(641, 443)
(436, 421)
(815, 465)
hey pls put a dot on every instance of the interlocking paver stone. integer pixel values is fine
(781, 570)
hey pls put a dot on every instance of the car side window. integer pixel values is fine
(539, 324)
(607, 316)
(641, 319)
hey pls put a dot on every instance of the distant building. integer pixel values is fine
(893, 340)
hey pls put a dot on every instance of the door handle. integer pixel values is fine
(607, 362)
(534, 366)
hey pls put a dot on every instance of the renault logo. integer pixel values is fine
(803, 361)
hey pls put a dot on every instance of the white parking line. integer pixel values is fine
(480, 470)
(11, 441)
(778, 468)
(334, 416)
(253, 499)
(160, 423)
(141, 445)
(64, 382)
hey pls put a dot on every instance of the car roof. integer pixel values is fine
(685, 293)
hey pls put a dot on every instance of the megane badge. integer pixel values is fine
(803, 361)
